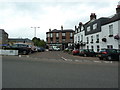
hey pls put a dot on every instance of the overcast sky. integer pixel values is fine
(17, 17)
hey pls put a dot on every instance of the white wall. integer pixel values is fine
(105, 34)
(94, 44)
(8, 52)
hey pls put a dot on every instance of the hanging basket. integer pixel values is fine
(104, 39)
(117, 37)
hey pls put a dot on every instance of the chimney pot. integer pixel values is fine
(49, 30)
(61, 27)
(92, 16)
(118, 8)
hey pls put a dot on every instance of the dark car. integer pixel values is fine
(109, 54)
(40, 49)
(87, 52)
(22, 48)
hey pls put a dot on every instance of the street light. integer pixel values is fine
(35, 30)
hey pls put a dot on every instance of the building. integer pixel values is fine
(20, 40)
(111, 31)
(60, 38)
(99, 33)
(3, 38)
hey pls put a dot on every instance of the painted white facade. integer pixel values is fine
(95, 46)
(110, 40)
(104, 33)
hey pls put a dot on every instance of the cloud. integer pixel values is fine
(18, 17)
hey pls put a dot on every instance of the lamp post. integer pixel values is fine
(35, 30)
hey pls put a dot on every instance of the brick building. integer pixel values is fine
(60, 38)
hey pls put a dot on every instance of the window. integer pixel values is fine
(71, 40)
(81, 37)
(110, 30)
(63, 40)
(63, 34)
(95, 26)
(87, 47)
(87, 40)
(91, 39)
(57, 34)
(97, 38)
(71, 34)
(78, 38)
(92, 48)
(110, 46)
(57, 40)
(98, 48)
(88, 29)
(51, 35)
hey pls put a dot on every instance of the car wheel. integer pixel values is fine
(85, 55)
(101, 58)
(24, 52)
(109, 58)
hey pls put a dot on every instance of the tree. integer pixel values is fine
(38, 42)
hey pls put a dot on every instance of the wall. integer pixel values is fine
(105, 34)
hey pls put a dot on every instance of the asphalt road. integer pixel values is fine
(58, 70)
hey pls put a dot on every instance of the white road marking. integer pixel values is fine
(107, 61)
(97, 61)
(64, 58)
(27, 56)
(19, 55)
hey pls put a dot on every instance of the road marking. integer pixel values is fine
(27, 56)
(19, 55)
(64, 58)
(107, 61)
(97, 61)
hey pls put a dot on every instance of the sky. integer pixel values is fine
(18, 16)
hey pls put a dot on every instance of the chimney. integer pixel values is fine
(92, 16)
(61, 27)
(80, 23)
(118, 8)
(50, 30)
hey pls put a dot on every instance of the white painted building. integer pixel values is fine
(99, 33)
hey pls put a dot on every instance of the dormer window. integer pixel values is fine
(88, 29)
(95, 26)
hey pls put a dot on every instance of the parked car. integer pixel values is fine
(109, 54)
(87, 52)
(56, 49)
(40, 49)
(22, 48)
(75, 52)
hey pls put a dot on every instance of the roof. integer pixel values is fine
(65, 30)
(116, 17)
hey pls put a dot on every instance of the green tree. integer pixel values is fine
(38, 42)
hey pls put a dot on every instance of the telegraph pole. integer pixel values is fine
(35, 30)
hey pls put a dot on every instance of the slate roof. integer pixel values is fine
(116, 17)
